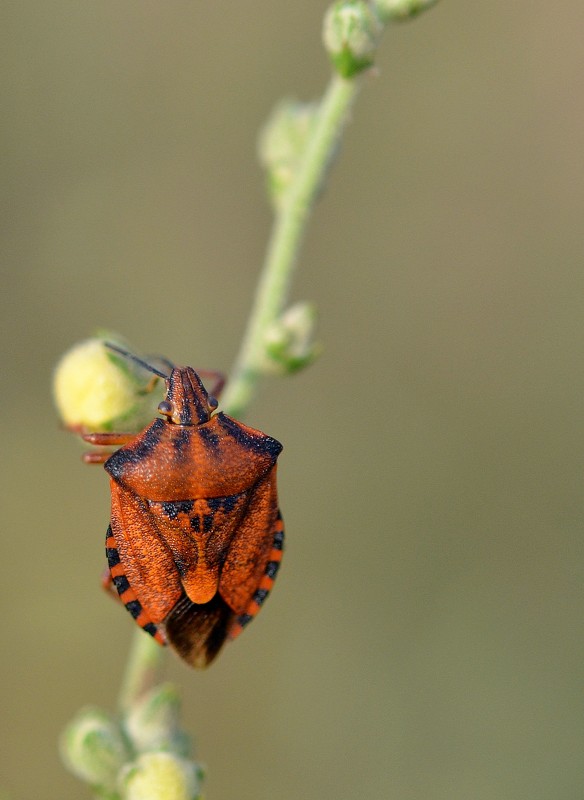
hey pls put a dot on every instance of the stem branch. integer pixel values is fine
(285, 241)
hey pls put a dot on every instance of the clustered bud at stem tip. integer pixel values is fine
(398, 10)
(94, 749)
(142, 755)
(289, 341)
(351, 34)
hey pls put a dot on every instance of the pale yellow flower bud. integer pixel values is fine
(96, 389)
(160, 776)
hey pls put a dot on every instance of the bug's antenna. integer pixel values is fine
(132, 357)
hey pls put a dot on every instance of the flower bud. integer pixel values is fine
(282, 144)
(153, 723)
(160, 776)
(351, 33)
(97, 389)
(289, 341)
(398, 10)
(94, 749)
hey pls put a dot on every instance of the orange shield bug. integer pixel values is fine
(196, 536)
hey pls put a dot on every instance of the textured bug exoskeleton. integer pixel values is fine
(196, 536)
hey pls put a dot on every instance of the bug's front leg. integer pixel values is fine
(104, 440)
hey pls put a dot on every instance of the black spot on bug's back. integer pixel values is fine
(207, 523)
(202, 523)
(230, 502)
(225, 504)
(172, 508)
(215, 503)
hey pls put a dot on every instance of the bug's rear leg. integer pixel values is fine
(266, 583)
(107, 584)
(116, 577)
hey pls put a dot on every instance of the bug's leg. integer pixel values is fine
(218, 377)
(97, 457)
(107, 584)
(117, 577)
(266, 583)
(103, 439)
(108, 438)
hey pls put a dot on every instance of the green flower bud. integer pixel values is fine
(398, 10)
(96, 389)
(282, 144)
(94, 749)
(351, 33)
(153, 723)
(290, 342)
(160, 776)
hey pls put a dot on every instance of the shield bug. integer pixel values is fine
(196, 537)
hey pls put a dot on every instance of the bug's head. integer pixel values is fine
(187, 401)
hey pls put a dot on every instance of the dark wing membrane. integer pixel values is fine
(197, 631)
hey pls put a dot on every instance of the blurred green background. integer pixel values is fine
(424, 641)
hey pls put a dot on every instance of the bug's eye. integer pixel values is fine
(165, 408)
(212, 403)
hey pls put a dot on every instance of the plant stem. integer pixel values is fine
(146, 657)
(285, 241)
(143, 669)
